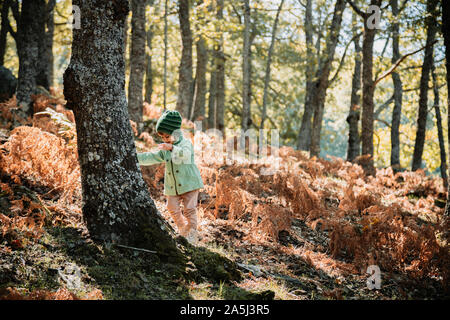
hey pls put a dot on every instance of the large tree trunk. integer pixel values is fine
(268, 65)
(398, 91)
(354, 142)
(184, 99)
(116, 203)
(304, 134)
(30, 40)
(432, 27)
(246, 98)
(200, 82)
(220, 74)
(322, 82)
(137, 62)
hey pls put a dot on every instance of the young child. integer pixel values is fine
(182, 179)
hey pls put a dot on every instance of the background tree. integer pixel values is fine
(30, 42)
(268, 65)
(354, 142)
(368, 85)
(432, 27)
(246, 76)
(137, 61)
(185, 80)
(398, 88)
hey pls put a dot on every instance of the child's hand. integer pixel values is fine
(165, 146)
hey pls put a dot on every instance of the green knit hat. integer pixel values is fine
(169, 121)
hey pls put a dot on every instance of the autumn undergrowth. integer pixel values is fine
(307, 231)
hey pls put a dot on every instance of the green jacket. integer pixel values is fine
(181, 173)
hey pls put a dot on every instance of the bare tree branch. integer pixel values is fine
(391, 69)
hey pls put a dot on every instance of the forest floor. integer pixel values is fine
(308, 231)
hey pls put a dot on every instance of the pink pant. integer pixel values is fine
(188, 220)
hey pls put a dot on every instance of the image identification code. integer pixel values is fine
(228, 309)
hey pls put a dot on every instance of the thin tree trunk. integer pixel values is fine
(212, 93)
(437, 110)
(424, 79)
(354, 142)
(165, 54)
(318, 100)
(30, 37)
(148, 72)
(246, 68)
(184, 99)
(398, 91)
(200, 82)
(116, 203)
(220, 74)
(45, 76)
(137, 62)
(4, 30)
(148, 59)
(368, 88)
(268, 65)
(446, 33)
(304, 135)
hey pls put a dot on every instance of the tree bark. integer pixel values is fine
(398, 91)
(432, 27)
(322, 82)
(137, 62)
(30, 41)
(354, 142)
(200, 82)
(446, 33)
(148, 71)
(246, 98)
(45, 75)
(368, 85)
(116, 203)
(212, 93)
(437, 110)
(304, 135)
(148, 59)
(184, 99)
(4, 29)
(268, 65)
(220, 74)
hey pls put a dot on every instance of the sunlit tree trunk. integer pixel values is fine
(212, 94)
(398, 90)
(184, 99)
(246, 98)
(432, 27)
(322, 81)
(137, 61)
(437, 110)
(354, 142)
(220, 74)
(268, 65)
(200, 82)
(304, 135)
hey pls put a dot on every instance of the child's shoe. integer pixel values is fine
(192, 237)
